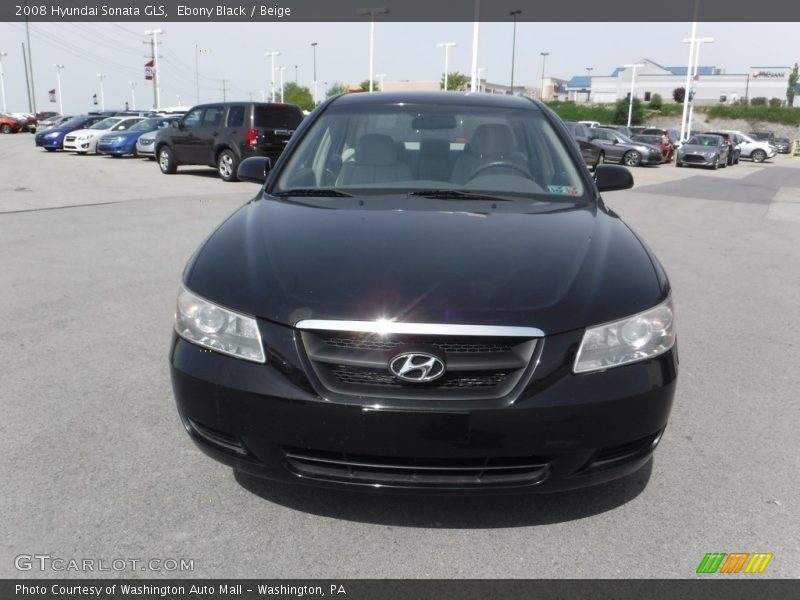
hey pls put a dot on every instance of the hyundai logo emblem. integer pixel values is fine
(417, 367)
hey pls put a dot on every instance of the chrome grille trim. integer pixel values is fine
(395, 327)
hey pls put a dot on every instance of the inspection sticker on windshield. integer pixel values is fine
(564, 190)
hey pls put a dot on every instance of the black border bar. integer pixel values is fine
(712, 587)
(399, 10)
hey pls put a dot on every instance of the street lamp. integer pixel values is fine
(58, 67)
(3, 82)
(272, 56)
(544, 58)
(197, 52)
(314, 47)
(281, 70)
(446, 46)
(690, 91)
(515, 14)
(589, 74)
(101, 77)
(380, 77)
(633, 83)
(133, 94)
(480, 87)
(371, 12)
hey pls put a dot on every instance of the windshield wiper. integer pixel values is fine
(449, 194)
(329, 192)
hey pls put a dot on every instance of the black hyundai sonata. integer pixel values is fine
(427, 295)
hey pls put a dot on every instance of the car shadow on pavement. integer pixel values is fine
(451, 512)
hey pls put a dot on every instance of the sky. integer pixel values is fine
(403, 51)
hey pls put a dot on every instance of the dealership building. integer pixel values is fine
(711, 86)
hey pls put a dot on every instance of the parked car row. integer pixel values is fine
(717, 149)
(219, 135)
(600, 144)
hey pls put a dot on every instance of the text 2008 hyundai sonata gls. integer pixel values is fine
(430, 295)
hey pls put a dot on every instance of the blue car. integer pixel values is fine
(53, 139)
(121, 143)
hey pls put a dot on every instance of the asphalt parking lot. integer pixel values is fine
(95, 463)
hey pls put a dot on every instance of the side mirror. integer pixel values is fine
(616, 141)
(610, 178)
(254, 169)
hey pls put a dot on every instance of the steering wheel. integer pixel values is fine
(499, 164)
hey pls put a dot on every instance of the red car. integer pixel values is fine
(659, 141)
(9, 124)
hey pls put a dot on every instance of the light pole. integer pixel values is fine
(544, 59)
(633, 83)
(58, 89)
(380, 77)
(480, 70)
(281, 70)
(475, 77)
(197, 52)
(589, 91)
(272, 56)
(153, 33)
(101, 77)
(314, 47)
(446, 46)
(133, 94)
(515, 14)
(690, 93)
(3, 81)
(372, 12)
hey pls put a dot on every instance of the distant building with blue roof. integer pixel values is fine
(711, 84)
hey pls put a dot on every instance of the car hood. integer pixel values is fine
(127, 135)
(699, 148)
(89, 132)
(427, 261)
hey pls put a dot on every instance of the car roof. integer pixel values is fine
(440, 98)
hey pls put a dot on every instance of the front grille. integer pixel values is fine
(694, 158)
(382, 377)
(477, 367)
(416, 472)
(70, 138)
(146, 142)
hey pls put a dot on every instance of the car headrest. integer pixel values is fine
(436, 146)
(492, 139)
(376, 149)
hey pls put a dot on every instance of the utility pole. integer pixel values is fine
(197, 52)
(2, 81)
(27, 80)
(30, 66)
(58, 88)
(154, 33)
(446, 46)
(544, 60)
(281, 69)
(476, 77)
(633, 84)
(224, 90)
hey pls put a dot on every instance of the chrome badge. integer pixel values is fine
(417, 367)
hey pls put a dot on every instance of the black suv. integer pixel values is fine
(221, 135)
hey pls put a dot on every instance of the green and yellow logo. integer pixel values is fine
(736, 562)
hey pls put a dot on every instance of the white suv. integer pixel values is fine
(753, 149)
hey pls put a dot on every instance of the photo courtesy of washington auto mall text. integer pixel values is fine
(399, 299)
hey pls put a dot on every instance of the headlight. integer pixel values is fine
(52, 135)
(636, 338)
(216, 328)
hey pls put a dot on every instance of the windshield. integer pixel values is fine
(419, 147)
(146, 125)
(704, 140)
(106, 123)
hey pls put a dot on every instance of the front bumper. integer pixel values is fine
(80, 144)
(562, 431)
(115, 148)
(145, 149)
(698, 160)
(45, 142)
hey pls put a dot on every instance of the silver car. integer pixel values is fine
(616, 147)
(705, 150)
(145, 145)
